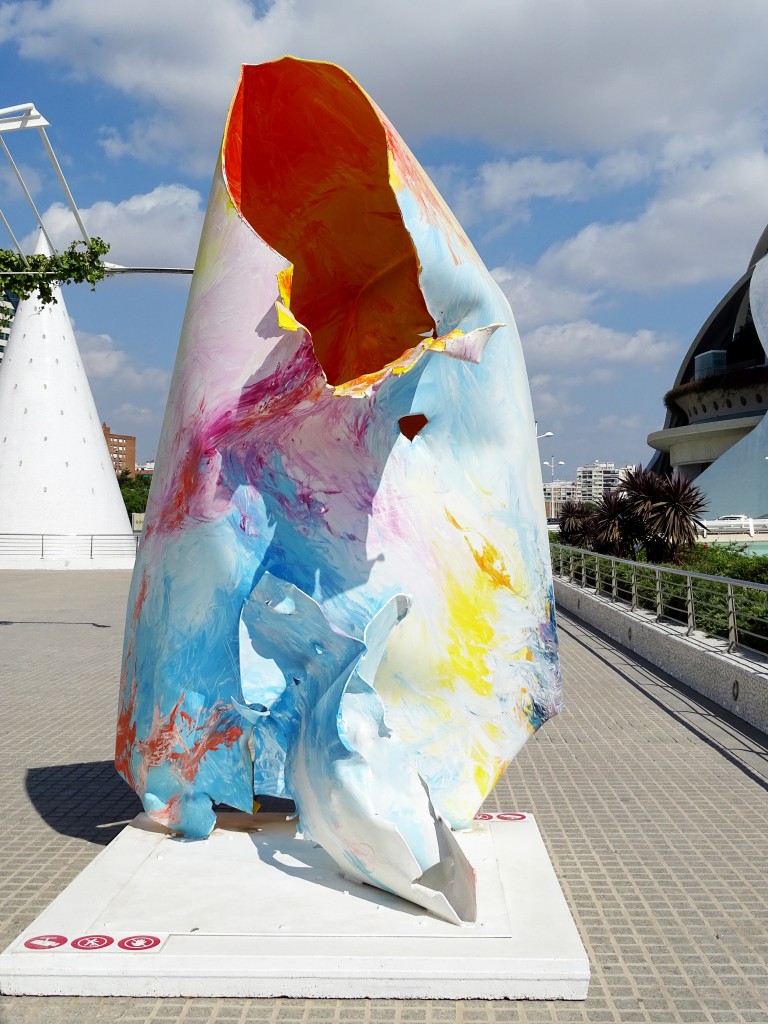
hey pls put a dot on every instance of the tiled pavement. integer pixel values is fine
(652, 806)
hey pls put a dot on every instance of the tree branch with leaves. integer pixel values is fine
(24, 276)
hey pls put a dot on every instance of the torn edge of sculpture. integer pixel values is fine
(343, 593)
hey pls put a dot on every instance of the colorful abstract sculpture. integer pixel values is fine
(343, 592)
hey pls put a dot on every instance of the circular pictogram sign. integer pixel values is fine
(511, 816)
(46, 941)
(139, 942)
(91, 942)
(482, 816)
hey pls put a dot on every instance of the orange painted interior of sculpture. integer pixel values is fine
(305, 159)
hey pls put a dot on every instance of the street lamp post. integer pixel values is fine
(554, 510)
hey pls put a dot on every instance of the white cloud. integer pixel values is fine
(702, 225)
(158, 229)
(507, 188)
(616, 422)
(9, 183)
(129, 397)
(103, 360)
(585, 343)
(516, 75)
(536, 301)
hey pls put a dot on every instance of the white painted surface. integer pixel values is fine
(56, 474)
(262, 913)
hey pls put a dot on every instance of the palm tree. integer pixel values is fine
(667, 507)
(576, 525)
(675, 519)
(617, 528)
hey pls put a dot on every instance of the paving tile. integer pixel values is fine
(652, 808)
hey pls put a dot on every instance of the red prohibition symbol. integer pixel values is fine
(46, 941)
(139, 942)
(91, 942)
(507, 816)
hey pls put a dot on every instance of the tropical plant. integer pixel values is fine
(667, 507)
(658, 513)
(617, 530)
(576, 525)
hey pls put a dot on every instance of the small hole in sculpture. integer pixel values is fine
(410, 426)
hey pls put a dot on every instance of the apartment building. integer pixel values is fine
(556, 492)
(595, 478)
(122, 450)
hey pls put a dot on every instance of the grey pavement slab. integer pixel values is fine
(652, 804)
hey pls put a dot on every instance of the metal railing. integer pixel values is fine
(735, 611)
(63, 545)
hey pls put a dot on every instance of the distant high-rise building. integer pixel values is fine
(556, 492)
(595, 478)
(122, 450)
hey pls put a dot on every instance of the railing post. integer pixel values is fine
(689, 604)
(597, 575)
(614, 581)
(733, 630)
(583, 569)
(659, 596)
(634, 602)
(42, 545)
(571, 573)
(92, 538)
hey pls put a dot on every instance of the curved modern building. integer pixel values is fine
(715, 428)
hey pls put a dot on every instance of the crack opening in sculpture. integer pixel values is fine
(411, 425)
(355, 283)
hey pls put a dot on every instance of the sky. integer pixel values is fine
(608, 159)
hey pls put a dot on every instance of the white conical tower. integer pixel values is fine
(60, 505)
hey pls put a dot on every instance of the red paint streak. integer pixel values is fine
(169, 815)
(141, 598)
(187, 763)
(157, 748)
(165, 738)
(126, 734)
(431, 204)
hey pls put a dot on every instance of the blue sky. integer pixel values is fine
(608, 159)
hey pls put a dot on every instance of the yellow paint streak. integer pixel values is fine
(524, 654)
(491, 563)
(285, 318)
(363, 385)
(470, 612)
(493, 731)
(395, 180)
(284, 282)
(488, 558)
(483, 779)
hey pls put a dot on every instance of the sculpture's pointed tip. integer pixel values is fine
(42, 246)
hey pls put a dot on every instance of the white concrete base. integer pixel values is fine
(254, 912)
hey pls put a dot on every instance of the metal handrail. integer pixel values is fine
(718, 606)
(7, 548)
